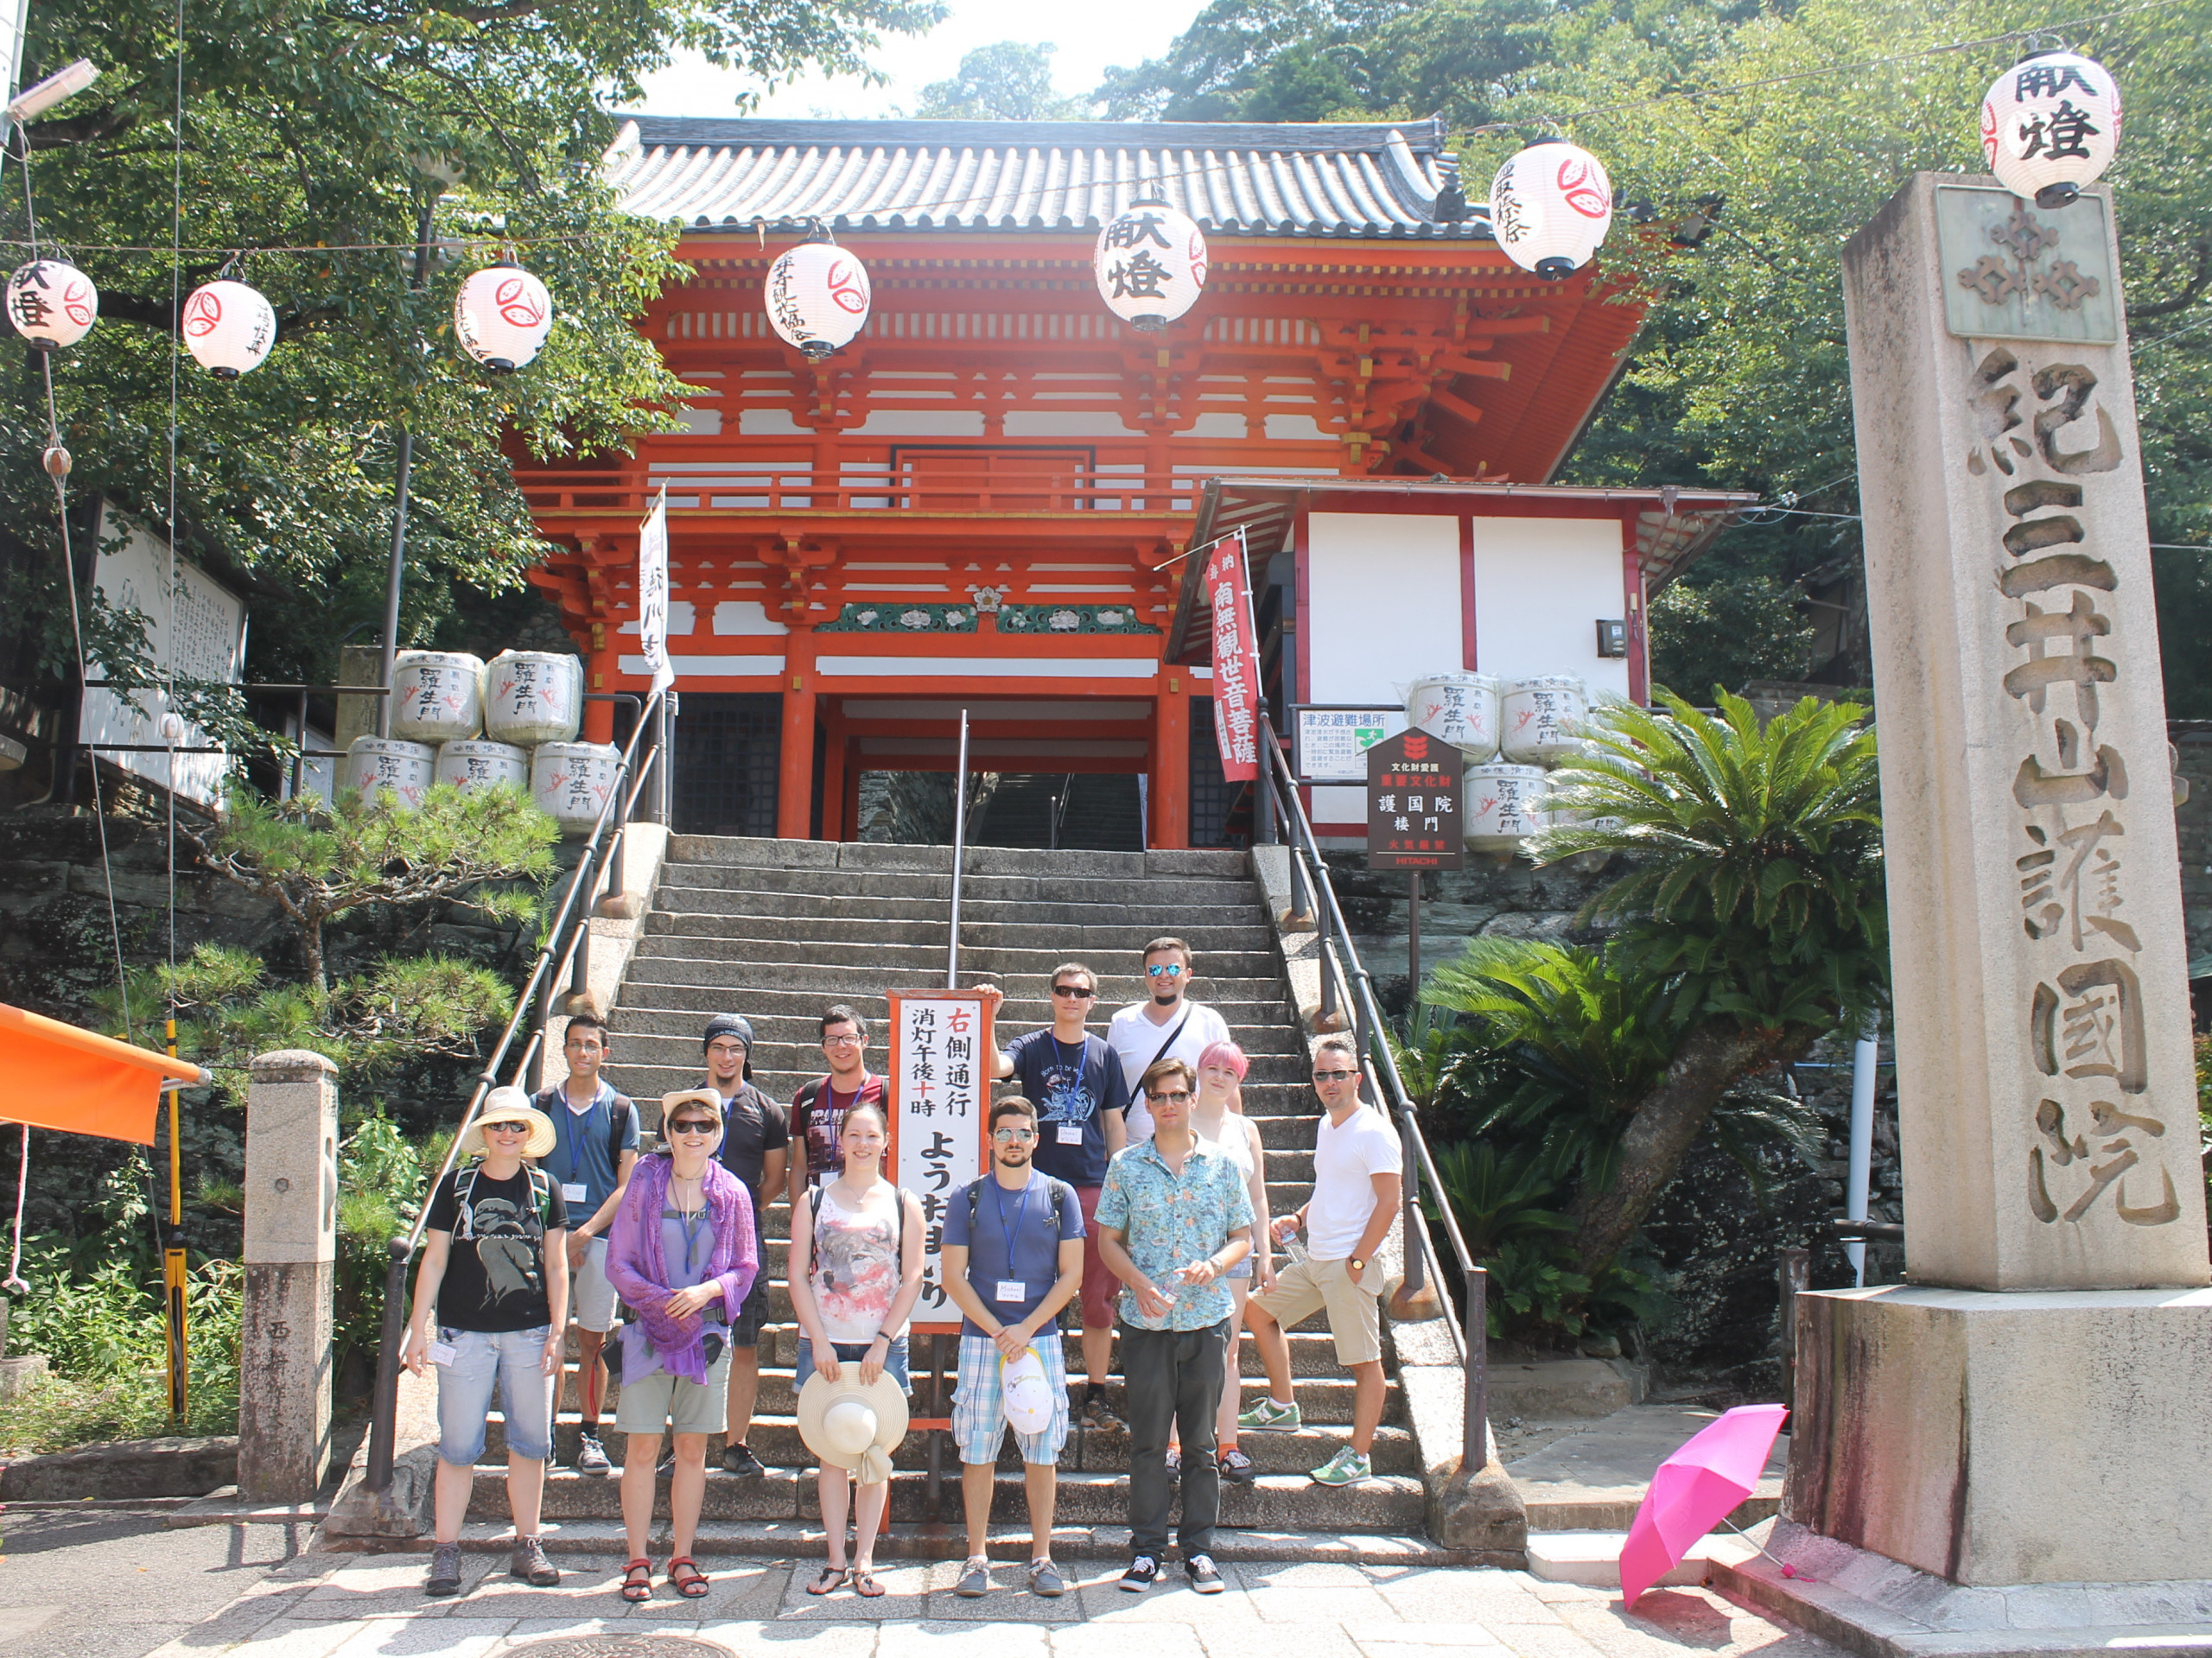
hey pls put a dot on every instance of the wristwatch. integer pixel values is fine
(1357, 1266)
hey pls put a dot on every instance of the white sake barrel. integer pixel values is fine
(474, 763)
(570, 782)
(1504, 804)
(438, 697)
(378, 763)
(1459, 708)
(1540, 720)
(533, 696)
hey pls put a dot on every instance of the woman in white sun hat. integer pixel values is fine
(856, 1272)
(495, 1272)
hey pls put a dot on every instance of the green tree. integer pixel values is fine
(355, 130)
(1725, 631)
(1009, 82)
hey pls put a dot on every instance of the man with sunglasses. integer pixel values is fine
(1165, 1025)
(1081, 1096)
(1012, 1257)
(1358, 1168)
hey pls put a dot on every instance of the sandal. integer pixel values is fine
(832, 1578)
(864, 1584)
(635, 1587)
(684, 1574)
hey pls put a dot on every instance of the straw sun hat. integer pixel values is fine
(509, 1105)
(849, 1426)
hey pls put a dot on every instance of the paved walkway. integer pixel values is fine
(373, 1606)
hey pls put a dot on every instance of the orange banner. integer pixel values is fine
(78, 1081)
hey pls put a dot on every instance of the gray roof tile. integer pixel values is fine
(1338, 179)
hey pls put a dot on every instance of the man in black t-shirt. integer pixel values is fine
(756, 1145)
(495, 1273)
(1076, 1084)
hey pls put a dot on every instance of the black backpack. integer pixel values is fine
(617, 1120)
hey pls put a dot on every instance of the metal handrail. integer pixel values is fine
(1344, 978)
(959, 853)
(566, 945)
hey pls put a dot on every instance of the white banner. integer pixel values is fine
(652, 592)
(940, 1075)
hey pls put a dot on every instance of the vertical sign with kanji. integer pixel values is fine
(1414, 800)
(1236, 660)
(941, 1050)
(652, 592)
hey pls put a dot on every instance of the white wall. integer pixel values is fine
(1541, 586)
(1383, 603)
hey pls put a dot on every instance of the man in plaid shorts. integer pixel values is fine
(1013, 1258)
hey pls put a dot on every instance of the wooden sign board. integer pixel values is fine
(1416, 793)
(939, 1105)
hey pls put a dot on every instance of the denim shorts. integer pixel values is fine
(895, 1363)
(511, 1363)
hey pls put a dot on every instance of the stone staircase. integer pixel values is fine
(777, 931)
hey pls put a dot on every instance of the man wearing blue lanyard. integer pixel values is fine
(594, 1148)
(1011, 1263)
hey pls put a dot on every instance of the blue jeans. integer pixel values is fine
(513, 1362)
(894, 1362)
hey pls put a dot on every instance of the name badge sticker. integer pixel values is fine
(443, 1352)
(572, 1192)
(1071, 1134)
(1012, 1289)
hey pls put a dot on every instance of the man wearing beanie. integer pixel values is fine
(756, 1141)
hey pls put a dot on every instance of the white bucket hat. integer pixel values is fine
(852, 1427)
(1026, 1391)
(509, 1105)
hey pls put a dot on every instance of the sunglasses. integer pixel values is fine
(692, 1126)
(1074, 992)
(1009, 1136)
(1167, 969)
(507, 1126)
(1334, 1076)
(1180, 1097)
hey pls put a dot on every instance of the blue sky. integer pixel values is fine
(1089, 39)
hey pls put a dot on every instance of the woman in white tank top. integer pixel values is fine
(1218, 1117)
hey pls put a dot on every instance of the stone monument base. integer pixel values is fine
(1868, 1604)
(2006, 1439)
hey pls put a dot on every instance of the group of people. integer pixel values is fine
(1124, 1179)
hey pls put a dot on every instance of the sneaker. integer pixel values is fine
(529, 1563)
(739, 1459)
(1347, 1467)
(1143, 1572)
(975, 1581)
(445, 1571)
(1235, 1467)
(666, 1465)
(1204, 1575)
(1266, 1413)
(591, 1456)
(1045, 1579)
(1174, 1464)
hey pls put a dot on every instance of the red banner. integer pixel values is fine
(1236, 660)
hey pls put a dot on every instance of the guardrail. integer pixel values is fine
(567, 950)
(1345, 982)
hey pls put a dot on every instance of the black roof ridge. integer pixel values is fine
(1426, 136)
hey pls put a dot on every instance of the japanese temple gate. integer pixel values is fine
(981, 501)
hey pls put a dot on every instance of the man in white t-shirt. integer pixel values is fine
(1165, 1025)
(1357, 1167)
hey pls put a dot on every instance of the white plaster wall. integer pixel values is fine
(1541, 585)
(1383, 603)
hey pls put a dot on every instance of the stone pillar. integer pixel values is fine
(291, 1249)
(2030, 1408)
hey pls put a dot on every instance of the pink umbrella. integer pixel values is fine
(1694, 1489)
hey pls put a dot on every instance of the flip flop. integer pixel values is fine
(864, 1584)
(831, 1580)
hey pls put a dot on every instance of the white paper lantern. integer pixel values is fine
(228, 329)
(1150, 264)
(51, 304)
(818, 297)
(1550, 206)
(502, 316)
(2050, 125)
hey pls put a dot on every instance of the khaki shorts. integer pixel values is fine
(1304, 1287)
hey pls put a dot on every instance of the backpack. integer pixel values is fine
(976, 1196)
(464, 1197)
(617, 1121)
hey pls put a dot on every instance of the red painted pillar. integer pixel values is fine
(795, 775)
(834, 824)
(1170, 765)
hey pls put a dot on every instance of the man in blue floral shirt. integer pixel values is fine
(1172, 1218)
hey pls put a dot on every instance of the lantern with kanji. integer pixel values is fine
(1550, 206)
(51, 304)
(502, 316)
(2050, 125)
(818, 297)
(228, 329)
(1150, 264)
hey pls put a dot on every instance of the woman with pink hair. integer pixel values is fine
(1218, 1117)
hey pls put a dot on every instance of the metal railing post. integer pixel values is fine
(383, 1413)
(1794, 1275)
(1474, 1431)
(1409, 1154)
(959, 853)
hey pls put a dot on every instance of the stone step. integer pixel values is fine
(1387, 1503)
(1024, 1008)
(786, 1057)
(938, 860)
(1064, 908)
(794, 1019)
(1118, 941)
(848, 972)
(646, 1084)
(1172, 894)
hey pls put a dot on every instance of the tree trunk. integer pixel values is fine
(1716, 1056)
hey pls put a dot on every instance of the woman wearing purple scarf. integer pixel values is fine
(682, 1257)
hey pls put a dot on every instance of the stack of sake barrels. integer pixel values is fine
(511, 724)
(1514, 732)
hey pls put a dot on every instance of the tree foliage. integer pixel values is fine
(1009, 82)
